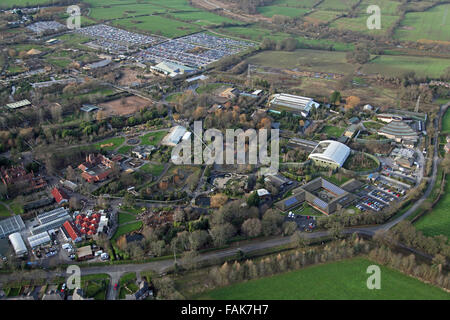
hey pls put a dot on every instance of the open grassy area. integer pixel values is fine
(126, 217)
(124, 11)
(338, 280)
(153, 169)
(437, 221)
(433, 24)
(270, 11)
(153, 138)
(110, 144)
(126, 229)
(333, 131)
(158, 25)
(337, 5)
(4, 211)
(125, 150)
(95, 286)
(397, 65)
(6, 4)
(360, 24)
(446, 123)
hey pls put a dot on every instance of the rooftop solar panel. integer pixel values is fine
(332, 188)
(320, 203)
(291, 201)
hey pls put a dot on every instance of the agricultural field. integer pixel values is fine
(295, 3)
(343, 280)
(360, 24)
(321, 16)
(437, 221)
(202, 18)
(337, 5)
(6, 4)
(304, 59)
(270, 11)
(388, 7)
(397, 65)
(433, 24)
(124, 11)
(158, 25)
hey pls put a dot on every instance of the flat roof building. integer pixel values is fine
(330, 153)
(18, 104)
(39, 239)
(53, 219)
(293, 103)
(11, 225)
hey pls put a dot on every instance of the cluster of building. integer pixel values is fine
(96, 168)
(17, 175)
(42, 26)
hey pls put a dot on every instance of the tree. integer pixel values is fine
(253, 199)
(289, 228)
(298, 240)
(352, 102)
(222, 233)
(198, 239)
(335, 98)
(218, 200)
(189, 259)
(271, 223)
(252, 227)
(129, 200)
(70, 174)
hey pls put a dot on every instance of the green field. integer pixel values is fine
(4, 211)
(5, 4)
(433, 24)
(158, 25)
(270, 11)
(295, 3)
(127, 229)
(321, 16)
(337, 5)
(387, 7)
(333, 131)
(397, 65)
(125, 150)
(117, 141)
(153, 169)
(126, 217)
(124, 11)
(343, 280)
(153, 138)
(437, 221)
(202, 18)
(360, 24)
(446, 123)
(304, 59)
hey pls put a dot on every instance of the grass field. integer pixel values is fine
(433, 24)
(446, 123)
(124, 11)
(158, 25)
(343, 280)
(295, 3)
(337, 5)
(202, 18)
(153, 169)
(387, 7)
(4, 211)
(321, 16)
(5, 4)
(360, 24)
(125, 150)
(153, 138)
(397, 65)
(270, 11)
(126, 229)
(117, 141)
(437, 221)
(304, 59)
(126, 217)
(333, 131)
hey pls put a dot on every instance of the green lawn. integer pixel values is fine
(333, 131)
(437, 221)
(270, 11)
(126, 217)
(126, 229)
(307, 210)
(153, 169)
(337, 5)
(125, 150)
(116, 141)
(95, 286)
(446, 123)
(343, 280)
(4, 211)
(153, 138)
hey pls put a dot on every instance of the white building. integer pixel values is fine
(174, 136)
(289, 102)
(17, 242)
(330, 153)
(39, 239)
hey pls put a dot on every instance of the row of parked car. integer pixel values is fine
(380, 195)
(372, 204)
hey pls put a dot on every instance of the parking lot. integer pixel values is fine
(195, 50)
(304, 223)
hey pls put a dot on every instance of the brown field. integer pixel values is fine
(124, 106)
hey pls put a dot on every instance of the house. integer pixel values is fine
(96, 168)
(60, 196)
(18, 175)
(143, 292)
(263, 194)
(351, 131)
(143, 152)
(71, 232)
(229, 93)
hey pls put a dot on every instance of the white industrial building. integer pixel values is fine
(330, 153)
(289, 102)
(174, 136)
(17, 242)
(39, 239)
(171, 69)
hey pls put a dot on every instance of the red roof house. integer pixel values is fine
(60, 196)
(72, 231)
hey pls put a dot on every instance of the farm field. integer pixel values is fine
(321, 16)
(343, 280)
(124, 106)
(337, 5)
(437, 221)
(304, 59)
(433, 24)
(124, 11)
(6, 4)
(270, 11)
(296, 3)
(202, 18)
(360, 24)
(388, 7)
(397, 65)
(158, 25)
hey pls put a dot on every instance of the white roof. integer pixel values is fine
(186, 136)
(262, 192)
(39, 239)
(330, 150)
(17, 243)
(295, 102)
